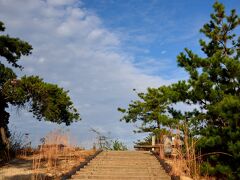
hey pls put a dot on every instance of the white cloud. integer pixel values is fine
(74, 49)
(60, 2)
(41, 60)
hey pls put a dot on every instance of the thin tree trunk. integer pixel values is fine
(5, 142)
(4, 133)
(4, 137)
(186, 141)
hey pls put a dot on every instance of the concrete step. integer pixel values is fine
(125, 170)
(117, 168)
(121, 171)
(124, 159)
(153, 173)
(126, 155)
(127, 152)
(121, 167)
(125, 165)
(83, 178)
(117, 177)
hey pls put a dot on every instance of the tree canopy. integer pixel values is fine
(46, 101)
(150, 110)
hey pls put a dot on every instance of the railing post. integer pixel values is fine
(153, 141)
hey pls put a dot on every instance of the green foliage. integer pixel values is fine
(213, 86)
(214, 82)
(105, 142)
(146, 141)
(158, 134)
(13, 48)
(118, 146)
(150, 110)
(46, 101)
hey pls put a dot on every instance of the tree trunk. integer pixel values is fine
(4, 132)
(186, 143)
(4, 138)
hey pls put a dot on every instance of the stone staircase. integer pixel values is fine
(119, 165)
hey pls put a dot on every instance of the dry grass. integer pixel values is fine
(183, 165)
(183, 160)
(56, 154)
(54, 157)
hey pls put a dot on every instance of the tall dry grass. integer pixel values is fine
(186, 163)
(184, 160)
(56, 155)
(55, 147)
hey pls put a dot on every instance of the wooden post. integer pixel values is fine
(153, 141)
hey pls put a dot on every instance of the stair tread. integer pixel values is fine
(116, 165)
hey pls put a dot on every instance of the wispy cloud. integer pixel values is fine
(74, 49)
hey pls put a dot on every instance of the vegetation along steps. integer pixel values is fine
(118, 165)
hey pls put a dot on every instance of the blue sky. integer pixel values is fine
(156, 29)
(100, 50)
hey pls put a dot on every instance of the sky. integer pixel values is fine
(100, 50)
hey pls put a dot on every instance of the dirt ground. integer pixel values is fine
(16, 169)
(22, 168)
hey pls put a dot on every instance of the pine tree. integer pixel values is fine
(214, 86)
(150, 110)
